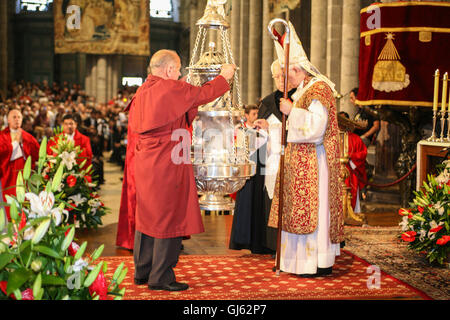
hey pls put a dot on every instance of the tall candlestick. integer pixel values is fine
(436, 90)
(444, 92)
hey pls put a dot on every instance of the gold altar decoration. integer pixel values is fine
(389, 74)
(102, 27)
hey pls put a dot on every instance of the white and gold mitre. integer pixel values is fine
(297, 56)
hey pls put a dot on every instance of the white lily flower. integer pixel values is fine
(404, 223)
(94, 203)
(60, 187)
(28, 234)
(423, 233)
(79, 265)
(68, 159)
(41, 205)
(433, 224)
(78, 199)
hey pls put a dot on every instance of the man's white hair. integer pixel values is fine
(161, 58)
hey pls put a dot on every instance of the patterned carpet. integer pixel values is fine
(250, 277)
(380, 246)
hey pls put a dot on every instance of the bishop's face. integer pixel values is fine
(278, 76)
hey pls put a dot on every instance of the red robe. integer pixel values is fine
(357, 152)
(10, 169)
(166, 193)
(79, 140)
(127, 223)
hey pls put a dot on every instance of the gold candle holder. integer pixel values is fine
(433, 134)
(441, 139)
(447, 139)
(443, 104)
(435, 105)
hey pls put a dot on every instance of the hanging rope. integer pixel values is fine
(387, 184)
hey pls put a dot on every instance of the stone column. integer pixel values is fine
(235, 29)
(244, 47)
(319, 34)
(266, 52)
(350, 52)
(254, 53)
(192, 26)
(334, 39)
(102, 79)
(3, 48)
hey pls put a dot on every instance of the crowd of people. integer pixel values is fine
(43, 107)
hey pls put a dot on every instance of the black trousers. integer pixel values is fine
(155, 258)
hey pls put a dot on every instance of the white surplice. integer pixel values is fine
(303, 254)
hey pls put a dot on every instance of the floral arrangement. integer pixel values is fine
(83, 202)
(426, 224)
(39, 258)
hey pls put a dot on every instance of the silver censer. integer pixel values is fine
(220, 142)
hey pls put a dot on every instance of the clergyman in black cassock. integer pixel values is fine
(252, 208)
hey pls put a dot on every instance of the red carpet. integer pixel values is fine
(250, 277)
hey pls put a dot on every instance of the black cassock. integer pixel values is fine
(252, 208)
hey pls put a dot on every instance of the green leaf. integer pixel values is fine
(2, 219)
(50, 280)
(43, 149)
(47, 251)
(13, 211)
(20, 188)
(17, 278)
(122, 276)
(98, 252)
(68, 239)
(39, 295)
(27, 169)
(41, 231)
(5, 258)
(57, 178)
(93, 275)
(118, 271)
(37, 285)
(80, 251)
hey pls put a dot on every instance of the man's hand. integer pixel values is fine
(285, 106)
(18, 137)
(227, 71)
(261, 123)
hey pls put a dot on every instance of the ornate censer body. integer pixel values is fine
(220, 143)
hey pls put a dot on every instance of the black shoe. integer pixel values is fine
(139, 282)
(274, 269)
(320, 273)
(324, 271)
(312, 275)
(174, 286)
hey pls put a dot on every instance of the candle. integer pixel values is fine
(436, 90)
(444, 92)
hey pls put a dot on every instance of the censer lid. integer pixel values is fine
(211, 59)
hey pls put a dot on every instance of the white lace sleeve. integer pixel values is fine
(307, 126)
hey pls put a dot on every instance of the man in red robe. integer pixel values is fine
(166, 195)
(70, 130)
(357, 153)
(16, 145)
